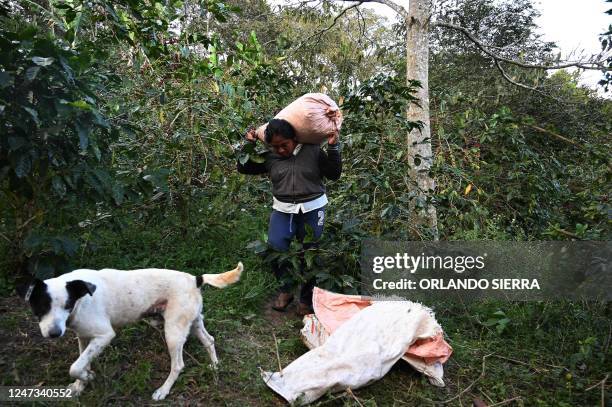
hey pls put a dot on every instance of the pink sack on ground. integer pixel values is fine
(314, 116)
(432, 350)
(332, 310)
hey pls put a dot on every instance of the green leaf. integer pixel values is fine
(24, 165)
(68, 245)
(243, 159)
(94, 183)
(32, 72)
(490, 322)
(32, 242)
(295, 263)
(99, 119)
(257, 246)
(83, 131)
(323, 276)
(118, 193)
(32, 113)
(67, 69)
(4, 171)
(249, 148)
(309, 258)
(43, 61)
(258, 158)
(6, 80)
(16, 142)
(58, 186)
(96, 149)
(43, 268)
(159, 178)
(104, 178)
(80, 104)
(350, 224)
(385, 211)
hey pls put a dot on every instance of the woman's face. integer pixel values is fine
(282, 146)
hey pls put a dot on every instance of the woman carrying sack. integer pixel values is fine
(296, 171)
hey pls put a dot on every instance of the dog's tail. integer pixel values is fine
(221, 280)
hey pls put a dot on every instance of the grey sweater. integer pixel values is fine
(298, 178)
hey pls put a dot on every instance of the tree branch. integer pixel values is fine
(560, 137)
(520, 85)
(396, 7)
(597, 65)
(329, 27)
(301, 3)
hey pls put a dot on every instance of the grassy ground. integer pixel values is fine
(548, 354)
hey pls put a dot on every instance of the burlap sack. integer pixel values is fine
(314, 116)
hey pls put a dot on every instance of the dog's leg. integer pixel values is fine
(78, 386)
(83, 342)
(176, 331)
(197, 329)
(96, 345)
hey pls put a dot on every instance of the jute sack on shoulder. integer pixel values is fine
(314, 116)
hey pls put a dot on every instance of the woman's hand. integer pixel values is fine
(251, 136)
(333, 138)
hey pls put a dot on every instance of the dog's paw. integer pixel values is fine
(81, 374)
(160, 394)
(76, 388)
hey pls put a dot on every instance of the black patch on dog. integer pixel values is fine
(199, 281)
(40, 300)
(76, 289)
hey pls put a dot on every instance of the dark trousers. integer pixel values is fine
(282, 229)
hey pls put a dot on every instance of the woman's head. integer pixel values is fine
(280, 135)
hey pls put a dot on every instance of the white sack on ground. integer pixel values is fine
(358, 353)
(314, 335)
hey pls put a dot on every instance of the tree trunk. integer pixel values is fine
(420, 156)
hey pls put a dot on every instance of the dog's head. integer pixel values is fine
(52, 301)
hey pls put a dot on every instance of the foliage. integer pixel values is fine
(512, 163)
(64, 115)
(552, 186)
(54, 138)
(549, 353)
(606, 46)
(118, 125)
(498, 320)
(321, 52)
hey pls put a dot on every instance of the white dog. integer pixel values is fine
(95, 302)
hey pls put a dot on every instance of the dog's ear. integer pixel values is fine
(78, 288)
(25, 287)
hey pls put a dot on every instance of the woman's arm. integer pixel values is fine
(330, 163)
(251, 167)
